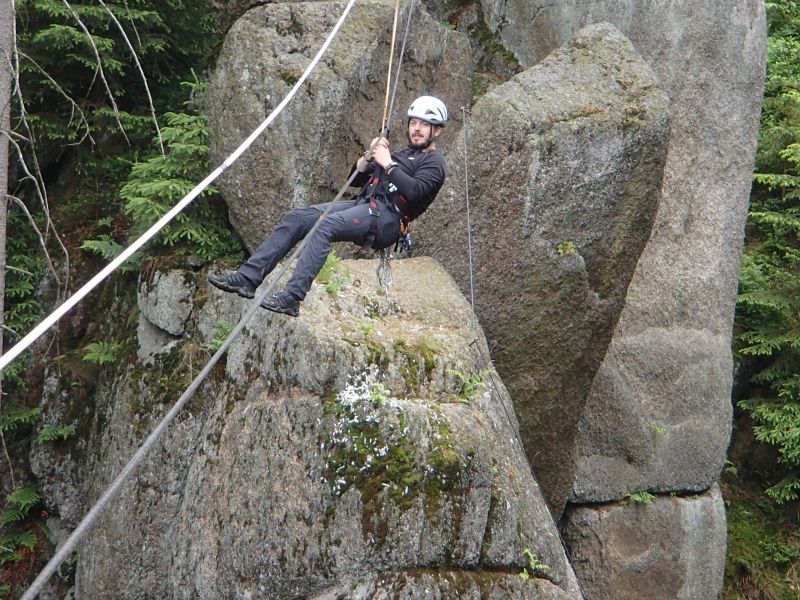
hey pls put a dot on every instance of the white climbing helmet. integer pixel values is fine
(428, 109)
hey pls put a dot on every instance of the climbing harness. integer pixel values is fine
(87, 522)
(404, 241)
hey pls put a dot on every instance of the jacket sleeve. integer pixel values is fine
(361, 178)
(428, 177)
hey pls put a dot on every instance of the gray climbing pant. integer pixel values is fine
(348, 221)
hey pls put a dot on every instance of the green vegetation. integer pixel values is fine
(221, 334)
(378, 394)
(767, 340)
(366, 328)
(17, 536)
(102, 353)
(22, 535)
(158, 183)
(22, 309)
(333, 275)
(471, 383)
(534, 566)
(642, 497)
(15, 417)
(763, 545)
(420, 360)
(52, 433)
(567, 248)
(65, 93)
(83, 118)
(763, 548)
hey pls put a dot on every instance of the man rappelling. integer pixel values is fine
(396, 188)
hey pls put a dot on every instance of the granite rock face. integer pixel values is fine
(332, 455)
(672, 547)
(166, 300)
(669, 364)
(306, 155)
(566, 161)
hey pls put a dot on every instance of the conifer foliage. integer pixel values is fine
(65, 87)
(768, 308)
(158, 183)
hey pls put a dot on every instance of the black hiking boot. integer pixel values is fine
(282, 302)
(236, 283)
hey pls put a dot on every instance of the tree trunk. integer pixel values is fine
(6, 56)
(6, 77)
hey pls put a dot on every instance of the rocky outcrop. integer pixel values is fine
(566, 162)
(335, 454)
(674, 547)
(658, 413)
(309, 151)
(331, 456)
(669, 365)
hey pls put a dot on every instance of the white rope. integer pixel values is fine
(48, 322)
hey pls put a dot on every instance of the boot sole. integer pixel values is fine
(292, 312)
(233, 290)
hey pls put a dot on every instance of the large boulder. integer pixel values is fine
(669, 367)
(672, 547)
(336, 454)
(307, 153)
(565, 166)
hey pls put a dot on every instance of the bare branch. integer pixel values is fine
(18, 270)
(24, 208)
(141, 72)
(100, 69)
(9, 329)
(73, 105)
(133, 25)
(38, 180)
(31, 139)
